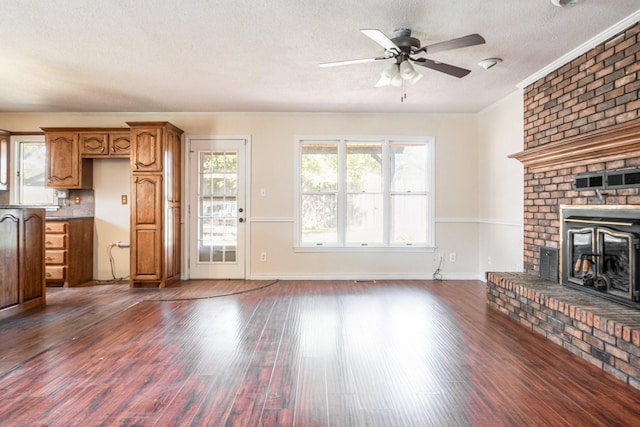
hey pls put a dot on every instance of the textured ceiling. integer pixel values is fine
(263, 55)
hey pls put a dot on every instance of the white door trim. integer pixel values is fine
(186, 191)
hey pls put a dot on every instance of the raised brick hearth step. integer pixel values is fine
(601, 332)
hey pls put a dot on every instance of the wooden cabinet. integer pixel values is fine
(65, 168)
(105, 143)
(70, 150)
(4, 160)
(69, 251)
(22, 284)
(155, 204)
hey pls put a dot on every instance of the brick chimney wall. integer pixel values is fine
(597, 90)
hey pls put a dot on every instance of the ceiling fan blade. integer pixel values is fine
(452, 70)
(351, 61)
(470, 40)
(380, 38)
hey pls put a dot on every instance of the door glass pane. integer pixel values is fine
(217, 207)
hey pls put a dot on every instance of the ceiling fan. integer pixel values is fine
(404, 48)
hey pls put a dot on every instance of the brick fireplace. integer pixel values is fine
(580, 120)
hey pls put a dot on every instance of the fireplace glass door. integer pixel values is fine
(580, 243)
(616, 251)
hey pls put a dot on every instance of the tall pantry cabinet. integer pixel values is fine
(155, 203)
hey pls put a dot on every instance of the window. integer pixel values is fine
(357, 193)
(29, 186)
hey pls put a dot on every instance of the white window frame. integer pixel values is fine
(428, 246)
(17, 178)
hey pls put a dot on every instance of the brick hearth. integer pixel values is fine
(601, 332)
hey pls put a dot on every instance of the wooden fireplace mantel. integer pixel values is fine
(613, 143)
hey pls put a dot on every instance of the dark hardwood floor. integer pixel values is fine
(305, 353)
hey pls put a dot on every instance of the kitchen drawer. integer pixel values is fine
(55, 241)
(55, 272)
(55, 257)
(57, 227)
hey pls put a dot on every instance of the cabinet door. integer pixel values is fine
(120, 144)
(146, 229)
(63, 160)
(9, 259)
(4, 161)
(146, 154)
(33, 268)
(94, 144)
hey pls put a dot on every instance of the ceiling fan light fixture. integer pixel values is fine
(388, 74)
(564, 3)
(407, 72)
(396, 81)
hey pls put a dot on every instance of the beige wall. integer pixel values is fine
(111, 180)
(459, 201)
(500, 185)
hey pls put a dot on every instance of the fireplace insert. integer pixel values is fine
(600, 251)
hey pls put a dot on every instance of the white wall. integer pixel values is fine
(272, 135)
(500, 185)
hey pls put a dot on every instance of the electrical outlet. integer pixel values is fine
(452, 257)
(263, 256)
(124, 199)
(76, 200)
(488, 260)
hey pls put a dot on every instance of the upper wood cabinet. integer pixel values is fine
(65, 168)
(4, 160)
(105, 143)
(146, 153)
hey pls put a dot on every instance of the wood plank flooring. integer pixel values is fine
(304, 353)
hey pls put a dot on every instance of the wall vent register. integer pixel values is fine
(608, 179)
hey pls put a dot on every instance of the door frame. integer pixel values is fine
(186, 192)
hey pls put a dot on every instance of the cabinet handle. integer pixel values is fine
(48, 242)
(48, 258)
(48, 275)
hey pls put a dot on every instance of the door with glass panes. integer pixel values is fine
(217, 208)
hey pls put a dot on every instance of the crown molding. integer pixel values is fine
(586, 46)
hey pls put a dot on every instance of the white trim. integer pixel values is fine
(367, 276)
(479, 221)
(584, 47)
(272, 219)
(437, 220)
(501, 222)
